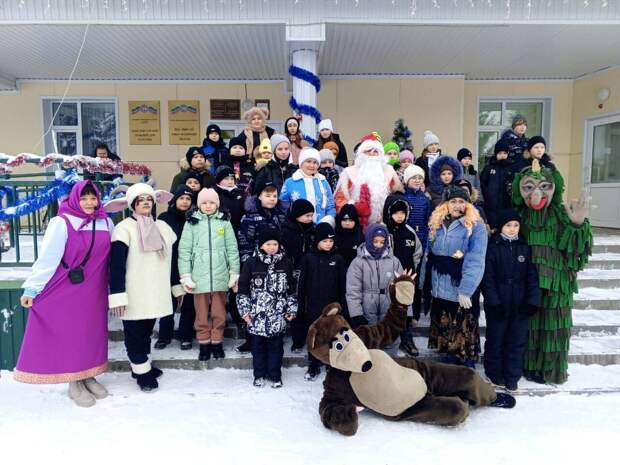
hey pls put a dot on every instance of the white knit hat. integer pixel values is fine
(430, 138)
(411, 171)
(309, 153)
(326, 124)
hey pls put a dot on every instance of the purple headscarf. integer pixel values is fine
(71, 205)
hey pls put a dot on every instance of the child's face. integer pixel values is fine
(466, 162)
(209, 207)
(292, 127)
(270, 247)
(325, 245)
(88, 203)
(520, 129)
(228, 181)
(193, 184)
(325, 133)
(237, 151)
(398, 217)
(501, 155)
(268, 199)
(347, 224)
(432, 148)
(392, 154)
(446, 176)
(214, 136)
(198, 161)
(405, 163)
(415, 182)
(283, 151)
(537, 150)
(511, 228)
(378, 242)
(305, 218)
(327, 164)
(183, 203)
(144, 205)
(266, 155)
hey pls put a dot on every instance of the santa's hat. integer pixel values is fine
(370, 141)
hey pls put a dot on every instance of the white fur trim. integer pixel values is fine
(368, 144)
(139, 189)
(118, 300)
(309, 154)
(177, 290)
(141, 368)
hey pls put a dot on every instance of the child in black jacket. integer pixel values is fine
(511, 295)
(348, 233)
(408, 249)
(322, 280)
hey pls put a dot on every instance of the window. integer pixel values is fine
(79, 125)
(495, 116)
(606, 154)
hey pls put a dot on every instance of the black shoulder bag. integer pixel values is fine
(76, 275)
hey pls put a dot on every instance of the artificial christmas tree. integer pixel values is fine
(402, 135)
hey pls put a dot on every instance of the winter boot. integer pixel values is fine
(154, 372)
(80, 395)
(147, 382)
(512, 386)
(258, 382)
(186, 345)
(503, 400)
(276, 384)
(247, 345)
(218, 351)
(96, 389)
(205, 352)
(407, 345)
(314, 370)
(161, 344)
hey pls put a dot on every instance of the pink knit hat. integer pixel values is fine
(208, 195)
(406, 155)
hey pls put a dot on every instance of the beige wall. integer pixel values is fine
(357, 106)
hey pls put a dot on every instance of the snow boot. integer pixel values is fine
(186, 345)
(147, 382)
(503, 400)
(154, 372)
(276, 384)
(80, 395)
(218, 351)
(205, 352)
(161, 344)
(314, 370)
(407, 345)
(95, 388)
(258, 382)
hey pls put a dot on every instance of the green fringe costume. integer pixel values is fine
(559, 250)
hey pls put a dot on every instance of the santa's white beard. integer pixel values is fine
(371, 172)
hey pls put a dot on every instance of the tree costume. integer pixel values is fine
(561, 240)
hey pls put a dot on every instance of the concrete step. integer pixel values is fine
(586, 350)
(601, 248)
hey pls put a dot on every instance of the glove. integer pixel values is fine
(359, 320)
(232, 281)
(464, 301)
(187, 282)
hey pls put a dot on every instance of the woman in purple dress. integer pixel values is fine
(66, 338)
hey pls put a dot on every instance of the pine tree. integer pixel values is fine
(402, 135)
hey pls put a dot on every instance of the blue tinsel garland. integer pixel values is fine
(305, 75)
(50, 193)
(303, 109)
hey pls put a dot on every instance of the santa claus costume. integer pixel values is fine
(368, 182)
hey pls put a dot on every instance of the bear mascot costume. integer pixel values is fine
(361, 375)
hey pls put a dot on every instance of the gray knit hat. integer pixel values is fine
(276, 140)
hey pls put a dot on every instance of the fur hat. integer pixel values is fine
(268, 234)
(331, 145)
(326, 154)
(406, 155)
(223, 172)
(309, 153)
(326, 124)
(464, 153)
(536, 140)
(237, 140)
(191, 152)
(501, 146)
(504, 216)
(208, 195)
(518, 120)
(430, 138)
(323, 231)
(300, 207)
(441, 164)
(411, 171)
(278, 139)
(261, 112)
(136, 190)
(370, 141)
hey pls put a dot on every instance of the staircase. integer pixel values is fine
(595, 340)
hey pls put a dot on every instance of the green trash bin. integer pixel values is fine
(12, 322)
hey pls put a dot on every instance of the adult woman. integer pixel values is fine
(140, 278)
(256, 130)
(66, 339)
(307, 183)
(295, 137)
(453, 267)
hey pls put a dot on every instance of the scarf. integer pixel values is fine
(510, 238)
(373, 231)
(150, 236)
(71, 205)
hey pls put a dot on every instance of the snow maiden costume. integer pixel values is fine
(66, 338)
(561, 241)
(140, 279)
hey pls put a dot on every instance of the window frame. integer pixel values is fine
(49, 144)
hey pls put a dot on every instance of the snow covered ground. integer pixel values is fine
(215, 416)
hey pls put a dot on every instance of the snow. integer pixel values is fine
(594, 293)
(218, 416)
(608, 256)
(594, 273)
(607, 240)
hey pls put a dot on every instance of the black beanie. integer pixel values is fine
(193, 175)
(214, 128)
(501, 146)
(455, 192)
(182, 189)
(300, 207)
(238, 140)
(223, 172)
(465, 183)
(399, 205)
(464, 153)
(268, 234)
(191, 152)
(323, 231)
(507, 215)
(536, 140)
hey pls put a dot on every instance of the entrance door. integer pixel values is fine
(602, 170)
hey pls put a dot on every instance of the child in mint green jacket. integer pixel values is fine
(209, 266)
